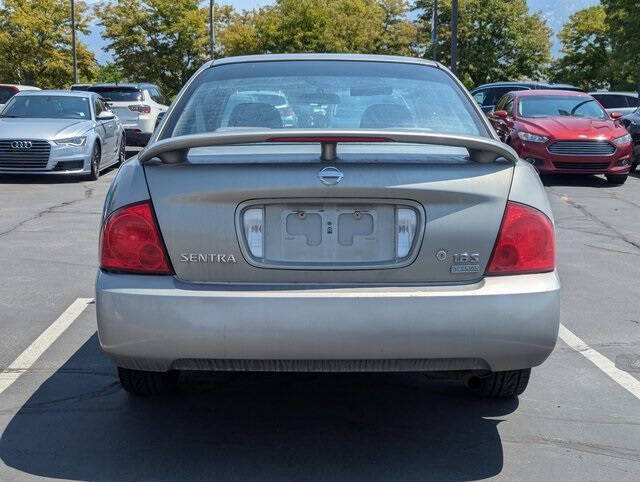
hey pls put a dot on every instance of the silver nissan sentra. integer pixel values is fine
(388, 231)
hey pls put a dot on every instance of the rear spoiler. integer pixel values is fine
(174, 150)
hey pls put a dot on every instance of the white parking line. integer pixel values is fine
(29, 356)
(622, 378)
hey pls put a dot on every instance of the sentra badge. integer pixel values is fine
(207, 258)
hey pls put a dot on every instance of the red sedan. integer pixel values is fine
(564, 132)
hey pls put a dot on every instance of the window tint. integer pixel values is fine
(48, 107)
(157, 96)
(117, 94)
(479, 96)
(612, 101)
(509, 107)
(98, 106)
(502, 102)
(5, 94)
(324, 94)
(633, 101)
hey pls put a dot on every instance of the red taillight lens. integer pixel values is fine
(142, 109)
(130, 242)
(525, 244)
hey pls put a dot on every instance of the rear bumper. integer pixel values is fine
(137, 138)
(159, 323)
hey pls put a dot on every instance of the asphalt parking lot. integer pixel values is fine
(63, 415)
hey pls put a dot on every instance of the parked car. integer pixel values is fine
(9, 90)
(632, 124)
(411, 239)
(623, 102)
(59, 132)
(488, 95)
(136, 105)
(564, 132)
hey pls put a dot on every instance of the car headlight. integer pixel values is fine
(623, 140)
(527, 136)
(71, 142)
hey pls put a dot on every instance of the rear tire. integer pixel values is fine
(617, 179)
(504, 384)
(145, 384)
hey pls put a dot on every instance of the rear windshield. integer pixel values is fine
(117, 94)
(48, 107)
(324, 94)
(556, 105)
(6, 93)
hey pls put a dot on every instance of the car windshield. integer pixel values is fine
(554, 105)
(116, 94)
(48, 107)
(324, 94)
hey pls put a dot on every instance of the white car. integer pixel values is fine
(136, 105)
(9, 90)
(623, 102)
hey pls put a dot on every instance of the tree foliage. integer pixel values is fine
(35, 43)
(586, 59)
(497, 39)
(623, 23)
(163, 41)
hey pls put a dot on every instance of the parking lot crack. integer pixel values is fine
(593, 217)
(44, 212)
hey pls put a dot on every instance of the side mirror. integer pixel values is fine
(106, 115)
(500, 114)
(615, 115)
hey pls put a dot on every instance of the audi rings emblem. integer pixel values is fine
(21, 145)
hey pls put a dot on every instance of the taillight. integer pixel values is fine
(525, 244)
(130, 242)
(141, 108)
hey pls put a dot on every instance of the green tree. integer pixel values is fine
(109, 73)
(364, 26)
(163, 41)
(586, 59)
(35, 43)
(497, 39)
(623, 23)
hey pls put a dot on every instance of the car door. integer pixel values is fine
(107, 130)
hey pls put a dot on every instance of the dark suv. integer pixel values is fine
(487, 95)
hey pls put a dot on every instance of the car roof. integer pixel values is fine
(614, 92)
(343, 57)
(64, 93)
(529, 83)
(549, 92)
(129, 85)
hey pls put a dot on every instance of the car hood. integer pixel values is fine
(570, 128)
(42, 128)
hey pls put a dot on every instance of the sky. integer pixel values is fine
(556, 12)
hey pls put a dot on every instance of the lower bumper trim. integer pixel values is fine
(333, 366)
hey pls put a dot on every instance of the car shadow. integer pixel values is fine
(580, 180)
(81, 425)
(47, 178)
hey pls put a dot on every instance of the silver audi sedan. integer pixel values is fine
(389, 230)
(59, 132)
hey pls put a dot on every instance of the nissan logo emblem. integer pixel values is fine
(330, 176)
(21, 145)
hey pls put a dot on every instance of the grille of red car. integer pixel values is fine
(582, 166)
(582, 148)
